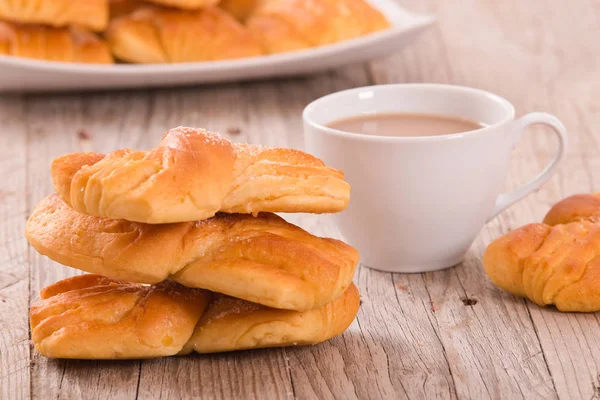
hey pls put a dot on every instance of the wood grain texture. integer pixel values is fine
(14, 272)
(533, 54)
(445, 335)
(67, 124)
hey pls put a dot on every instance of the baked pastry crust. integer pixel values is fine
(186, 4)
(160, 35)
(232, 324)
(289, 25)
(53, 44)
(192, 175)
(93, 317)
(122, 7)
(240, 9)
(261, 259)
(90, 14)
(555, 262)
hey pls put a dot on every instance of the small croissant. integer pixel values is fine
(186, 4)
(89, 14)
(556, 262)
(163, 35)
(289, 25)
(192, 175)
(53, 44)
(94, 317)
(240, 9)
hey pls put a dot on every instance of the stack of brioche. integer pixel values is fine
(184, 253)
(171, 31)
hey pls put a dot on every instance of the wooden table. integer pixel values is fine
(448, 334)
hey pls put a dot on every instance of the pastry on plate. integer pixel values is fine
(556, 262)
(161, 35)
(93, 317)
(90, 14)
(53, 44)
(191, 175)
(186, 4)
(122, 7)
(240, 9)
(262, 259)
(289, 25)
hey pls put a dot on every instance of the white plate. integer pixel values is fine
(21, 74)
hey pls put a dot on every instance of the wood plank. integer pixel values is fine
(14, 274)
(414, 336)
(570, 341)
(487, 358)
(552, 67)
(59, 125)
(392, 350)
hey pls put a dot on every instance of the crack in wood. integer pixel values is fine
(435, 328)
(139, 379)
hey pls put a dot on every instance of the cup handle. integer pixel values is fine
(507, 199)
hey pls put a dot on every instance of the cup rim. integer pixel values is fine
(510, 113)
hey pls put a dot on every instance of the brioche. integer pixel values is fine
(52, 44)
(289, 25)
(122, 7)
(186, 4)
(159, 35)
(90, 14)
(261, 259)
(555, 262)
(193, 174)
(233, 324)
(240, 9)
(93, 317)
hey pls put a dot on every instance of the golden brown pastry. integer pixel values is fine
(186, 4)
(53, 44)
(160, 35)
(555, 262)
(233, 324)
(122, 7)
(261, 259)
(289, 25)
(580, 207)
(90, 14)
(193, 174)
(92, 317)
(240, 9)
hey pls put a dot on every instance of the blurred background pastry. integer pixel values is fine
(90, 14)
(186, 4)
(288, 25)
(174, 31)
(161, 35)
(241, 9)
(53, 44)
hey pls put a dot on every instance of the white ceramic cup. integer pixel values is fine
(418, 203)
